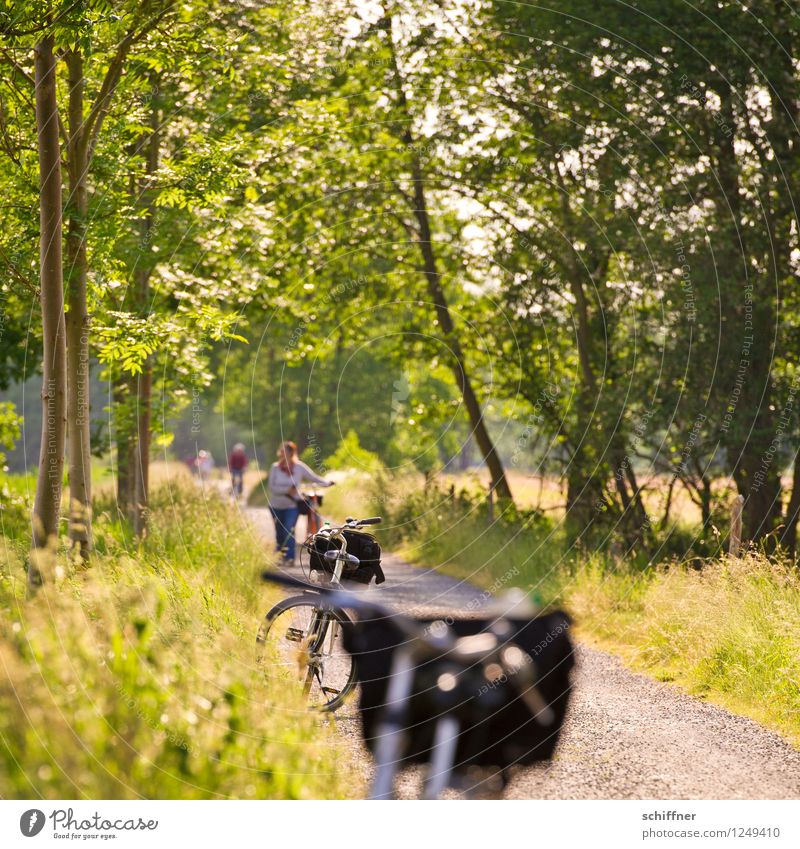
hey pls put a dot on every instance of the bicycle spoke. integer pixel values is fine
(303, 642)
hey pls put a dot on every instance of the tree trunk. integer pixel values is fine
(762, 499)
(54, 367)
(705, 503)
(668, 506)
(586, 501)
(633, 511)
(479, 430)
(749, 339)
(124, 438)
(78, 385)
(141, 289)
(789, 536)
(643, 520)
(141, 466)
(433, 278)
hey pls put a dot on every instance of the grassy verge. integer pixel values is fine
(135, 677)
(729, 632)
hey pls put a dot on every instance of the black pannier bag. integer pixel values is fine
(498, 728)
(363, 545)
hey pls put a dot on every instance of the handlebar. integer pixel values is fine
(375, 520)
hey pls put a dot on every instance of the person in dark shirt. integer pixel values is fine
(237, 463)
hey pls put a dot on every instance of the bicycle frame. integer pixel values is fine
(325, 627)
(392, 733)
(328, 625)
(335, 581)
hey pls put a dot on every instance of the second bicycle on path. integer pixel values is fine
(301, 639)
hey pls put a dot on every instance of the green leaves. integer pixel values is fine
(10, 427)
(130, 340)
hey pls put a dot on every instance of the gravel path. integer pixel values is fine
(626, 736)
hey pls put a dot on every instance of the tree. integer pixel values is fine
(51, 459)
(380, 201)
(83, 130)
(423, 235)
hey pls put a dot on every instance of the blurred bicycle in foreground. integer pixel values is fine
(463, 697)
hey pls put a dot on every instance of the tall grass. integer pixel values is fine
(135, 677)
(728, 631)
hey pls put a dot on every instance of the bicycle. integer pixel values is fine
(305, 633)
(457, 696)
(313, 501)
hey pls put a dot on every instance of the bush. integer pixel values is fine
(350, 455)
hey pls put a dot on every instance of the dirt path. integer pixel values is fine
(626, 736)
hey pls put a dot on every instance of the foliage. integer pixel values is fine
(610, 209)
(350, 455)
(10, 424)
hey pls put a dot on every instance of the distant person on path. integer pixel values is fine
(283, 484)
(205, 465)
(237, 464)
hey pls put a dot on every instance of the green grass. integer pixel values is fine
(135, 676)
(728, 632)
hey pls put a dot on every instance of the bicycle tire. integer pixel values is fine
(312, 604)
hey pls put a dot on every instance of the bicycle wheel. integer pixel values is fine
(301, 641)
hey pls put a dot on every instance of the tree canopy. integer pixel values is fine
(501, 233)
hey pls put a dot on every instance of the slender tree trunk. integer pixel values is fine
(123, 436)
(78, 384)
(586, 501)
(471, 402)
(668, 506)
(51, 459)
(753, 317)
(705, 503)
(636, 494)
(142, 274)
(632, 504)
(436, 291)
(141, 466)
(789, 536)
(762, 506)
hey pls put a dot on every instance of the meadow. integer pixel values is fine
(723, 628)
(134, 676)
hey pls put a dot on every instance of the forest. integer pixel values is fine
(446, 227)
(522, 278)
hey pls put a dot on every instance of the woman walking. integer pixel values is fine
(285, 477)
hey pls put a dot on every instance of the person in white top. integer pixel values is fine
(283, 486)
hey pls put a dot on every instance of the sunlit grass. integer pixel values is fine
(728, 632)
(135, 676)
